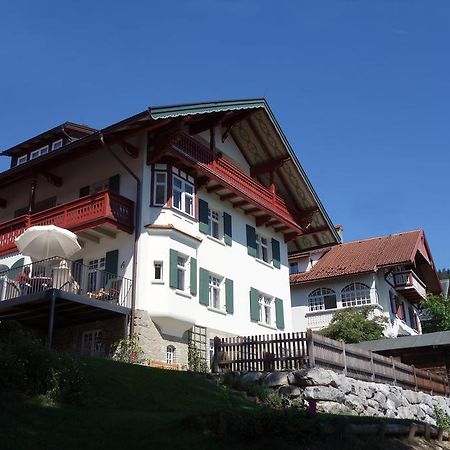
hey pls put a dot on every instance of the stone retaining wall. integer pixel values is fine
(338, 394)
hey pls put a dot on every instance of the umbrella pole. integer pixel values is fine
(51, 319)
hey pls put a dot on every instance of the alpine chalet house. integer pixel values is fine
(391, 273)
(185, 215)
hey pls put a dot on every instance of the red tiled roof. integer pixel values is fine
(364, 256)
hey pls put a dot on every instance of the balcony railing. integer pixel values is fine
(410, 285)
(67, 276)
(76, 215)
(235, 179)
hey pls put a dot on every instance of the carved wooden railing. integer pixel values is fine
(76, 215)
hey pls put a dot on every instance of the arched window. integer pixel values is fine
(355, 294)
(321, 298)
(170, 354)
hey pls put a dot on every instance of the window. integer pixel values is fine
(95, 275)
(322, 298)
(181, 273)
(22, 159)
(36, 153)
(213, 224)
(412, 318)
(99, 186)
(262, 248)
(91, 343)
(157, 270)
(183, 195)
(214, 290)
(293, 267)
(265, 309)
(159, 188)
(57, 144)
(170, 354)
(355, 294)
(393, 299)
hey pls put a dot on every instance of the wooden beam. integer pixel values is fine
(53, 179)
(105, 232)
(217, 187)
(251, 210)
(201, 181)
(235, 118)
(240, 203)
(272, 222)
(89, 237)
(228, 196)
(280, 229)
(205, 124)
(268, 166)
(289, 237)
(261, 220)
(130, 150)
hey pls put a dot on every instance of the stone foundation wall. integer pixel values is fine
(338, 394)
(154, 343)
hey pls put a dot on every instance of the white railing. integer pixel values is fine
(409, 280)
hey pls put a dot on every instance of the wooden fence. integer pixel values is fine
(292, 351)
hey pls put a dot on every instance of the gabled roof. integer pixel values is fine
(254, 128)
(368, 255)
(56, 131)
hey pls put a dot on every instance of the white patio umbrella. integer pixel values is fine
(45, 241)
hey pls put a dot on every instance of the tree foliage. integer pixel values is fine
(354, 325)
(435, 314)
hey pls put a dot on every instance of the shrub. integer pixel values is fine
(196, 362)
(28, 366)
(442, 418)
(128, 350)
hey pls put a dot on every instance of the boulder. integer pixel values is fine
(324, 393)
(252, 377)
(314, 377)
(342, 383)
(405, 412)
(371, 412)
(411, 396)
(380, 398)
(355, 403)
(276, 379)
(334, 408)
(290, 391)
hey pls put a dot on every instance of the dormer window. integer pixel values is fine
(39, 152)
(22, 160)
(57, 144)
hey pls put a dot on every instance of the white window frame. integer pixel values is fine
(260, 246)
(158, 265)
(266, 309)
(56, 145)
(22, 160)
(181, 272)
(170, 354)
(214, 219)
(156, 183)
(215, 292)
(94, 267)
(95, 342)
(185, 196)
(316, 299)
(355, 294)
(39, 152)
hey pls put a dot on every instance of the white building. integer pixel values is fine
(392, 273)
(186, 215)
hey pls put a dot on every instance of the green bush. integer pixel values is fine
(442, 419)
(128, 350)
(196, 362)
(29, 367)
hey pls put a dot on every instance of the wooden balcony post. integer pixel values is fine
(310, 347)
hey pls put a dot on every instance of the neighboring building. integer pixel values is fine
(186, 215)
(392, 273)
(429, 351)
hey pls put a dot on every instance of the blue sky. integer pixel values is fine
(360, 87)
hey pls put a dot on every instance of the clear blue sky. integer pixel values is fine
(361, 88)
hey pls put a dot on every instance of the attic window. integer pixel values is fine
(36, 153)
(57, 144)
(22, 160)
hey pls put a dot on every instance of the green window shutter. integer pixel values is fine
(85, 190)
(279, 313)
(173, 283)
(112, 262)
(227, 229)
(114, 184)
(77, 270)
(276, 253)
(251, 241)
(203, 216)
(203, 295)
(229, 306)
(254, 305)
(193, 276)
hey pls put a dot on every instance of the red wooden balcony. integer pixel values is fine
(410, 286)
(235, 181)
(96, 210)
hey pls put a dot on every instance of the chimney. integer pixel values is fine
(340, 231)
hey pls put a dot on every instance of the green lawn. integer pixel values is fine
(134, 407)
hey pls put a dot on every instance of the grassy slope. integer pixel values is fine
(126, 407)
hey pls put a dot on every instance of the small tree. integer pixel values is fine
(354, 325)
(435, 314)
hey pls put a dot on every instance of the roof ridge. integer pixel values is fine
(418, 230)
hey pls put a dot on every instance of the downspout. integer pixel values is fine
(137, 221)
